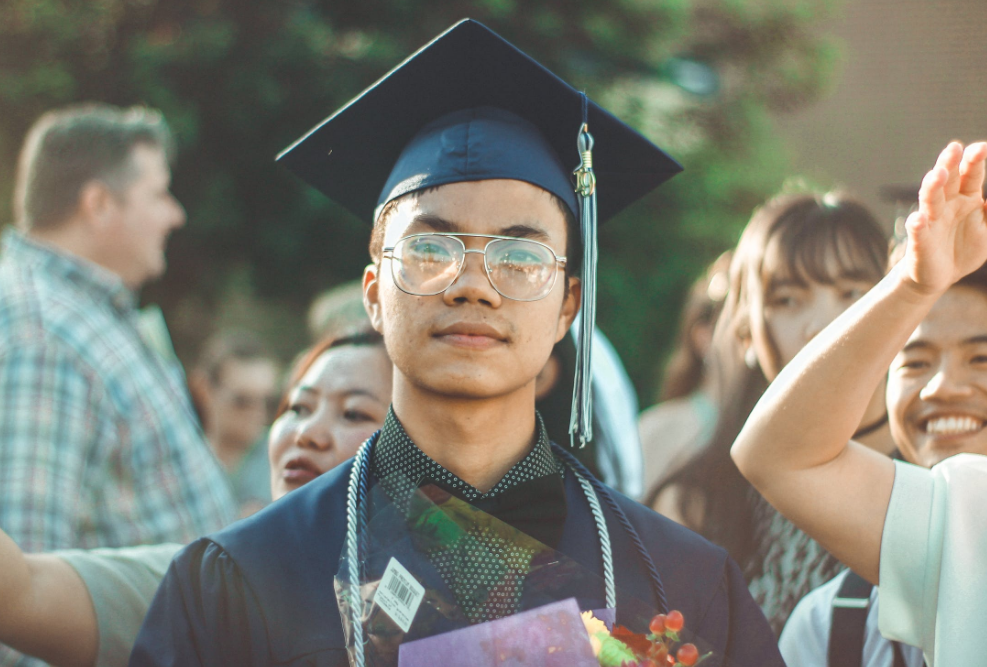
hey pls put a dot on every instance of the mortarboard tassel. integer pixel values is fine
(581, 424)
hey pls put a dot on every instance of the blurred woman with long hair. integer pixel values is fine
(679, 427)
(801, 261)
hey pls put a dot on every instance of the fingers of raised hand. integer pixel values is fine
(972, 169)
(932, 195)
(949, 160)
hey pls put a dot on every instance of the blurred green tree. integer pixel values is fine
(239, 80)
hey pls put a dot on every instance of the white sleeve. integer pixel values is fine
(907, 555)
(933, 577)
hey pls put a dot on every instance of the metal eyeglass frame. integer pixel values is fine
(559, 261)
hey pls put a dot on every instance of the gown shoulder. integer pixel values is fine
(234, 598)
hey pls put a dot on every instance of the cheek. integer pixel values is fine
(780, 338)
(278, 442)
(896, 402)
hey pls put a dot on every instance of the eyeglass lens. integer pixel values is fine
(518, 269)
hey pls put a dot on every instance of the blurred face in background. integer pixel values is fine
(141, 218)
(339, 402)
(792, 307)
(242, 401)
(937, 387)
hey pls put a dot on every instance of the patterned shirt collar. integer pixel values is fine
(396, 456)
(54, 262)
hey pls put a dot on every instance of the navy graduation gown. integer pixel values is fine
(261, 591)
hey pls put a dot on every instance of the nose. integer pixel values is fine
(179, 215)
(314, 435)
(472, 285)
(827, 308)
(947, 384)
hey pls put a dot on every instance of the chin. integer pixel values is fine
(459, 383)
(934, 455)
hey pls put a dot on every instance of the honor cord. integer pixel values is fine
(356, 518)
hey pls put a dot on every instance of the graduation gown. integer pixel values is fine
(261, 591)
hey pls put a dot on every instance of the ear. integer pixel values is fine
(201, 389)
(96, 205)
(546, 380)
(742, 330)
(371, 297)
(570, 307)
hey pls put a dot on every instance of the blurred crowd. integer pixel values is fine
(107, 443)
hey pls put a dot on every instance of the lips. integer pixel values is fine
(475, 335)
(300, 470)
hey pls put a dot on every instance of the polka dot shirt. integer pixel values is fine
(484, 571)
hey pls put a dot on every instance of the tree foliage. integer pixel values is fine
(239, 80)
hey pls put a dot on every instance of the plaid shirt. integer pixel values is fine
(99, 445)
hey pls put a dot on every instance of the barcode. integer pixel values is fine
(399, 588)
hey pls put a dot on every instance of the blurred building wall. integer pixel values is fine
(913, 76)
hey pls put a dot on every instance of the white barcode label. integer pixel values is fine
(399, 594)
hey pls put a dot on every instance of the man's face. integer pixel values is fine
(937, 387)
(470, 341)
(142, 218)
(242, 401)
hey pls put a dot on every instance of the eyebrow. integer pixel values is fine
(363, 392)
(917, 345)
(439, 224)
(350, 392)
(524, 232)
(922, 344)
(435, 223)
(774, 284)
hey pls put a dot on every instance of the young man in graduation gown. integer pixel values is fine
(462, 157)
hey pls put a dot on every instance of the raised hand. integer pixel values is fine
(947, 235)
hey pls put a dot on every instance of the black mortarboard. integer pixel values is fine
(471, 106)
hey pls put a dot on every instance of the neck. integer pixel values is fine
(68, 236)
(478, 440)
(230, 454)
(75, 237)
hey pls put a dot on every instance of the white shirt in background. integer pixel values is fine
(805, 639)
(934, 561)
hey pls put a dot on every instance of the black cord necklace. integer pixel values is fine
(864, 431)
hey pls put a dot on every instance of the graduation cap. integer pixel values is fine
(470, 106)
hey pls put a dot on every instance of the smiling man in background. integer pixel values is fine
(99, 446)
(937, 407)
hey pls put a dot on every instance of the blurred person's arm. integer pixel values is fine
(78, 607)
(50, 412)
(796, 447)
(46, 610)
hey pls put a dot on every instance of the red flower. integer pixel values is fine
(657, 625)
(639, 644)
(688, 654)
(674, 621)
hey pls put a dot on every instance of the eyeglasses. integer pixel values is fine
(519, 269)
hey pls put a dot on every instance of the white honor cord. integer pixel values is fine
(355, 510)
(353, 551)
(601, 529)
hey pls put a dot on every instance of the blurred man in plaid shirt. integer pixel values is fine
(99, 445)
